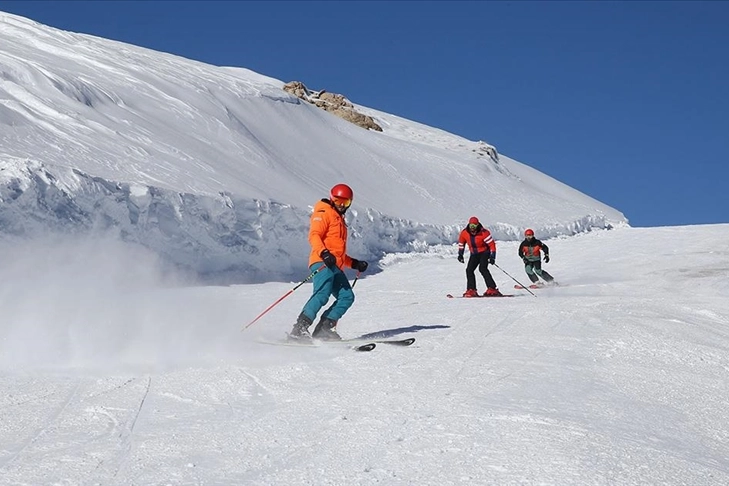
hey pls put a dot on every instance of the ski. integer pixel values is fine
(366, 346)
(538, 286)
(397, 342)
(391, 342)
(451, 296)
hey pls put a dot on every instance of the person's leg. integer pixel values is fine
(344, 298)
(542, 273)
(344, 295)
(323, 284)
(473, 262)
(484, 269)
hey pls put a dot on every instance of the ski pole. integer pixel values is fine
(515, 280)
(355, 279)
(311, 275)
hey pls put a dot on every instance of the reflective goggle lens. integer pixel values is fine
(473, 226)
(345, 203)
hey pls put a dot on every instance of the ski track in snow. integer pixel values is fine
(616, 377)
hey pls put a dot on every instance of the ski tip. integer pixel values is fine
(449, 296)
(407, 342)
(397, 342)
(365, 347)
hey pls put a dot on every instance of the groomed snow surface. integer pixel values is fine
(112, 374)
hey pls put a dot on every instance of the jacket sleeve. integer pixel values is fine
(347, 261)
(545, 248)
(521, 251)
(461, 242)
(317, 231)
(491, 243)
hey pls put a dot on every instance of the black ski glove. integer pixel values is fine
(492, 259)
(526, 261)
(359, 265)
(328, 259)
(460, 256)
(546, 258)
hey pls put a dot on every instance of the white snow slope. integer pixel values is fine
(618, 376)
(216, 168)
(116, 161)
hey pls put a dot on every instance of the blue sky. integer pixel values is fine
(625, 101)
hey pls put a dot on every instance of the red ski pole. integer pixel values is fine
(311, 275)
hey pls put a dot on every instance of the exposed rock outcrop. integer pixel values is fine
(485, 148)
(333, 103)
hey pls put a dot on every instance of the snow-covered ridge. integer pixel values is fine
(216, 168)
(225, 238)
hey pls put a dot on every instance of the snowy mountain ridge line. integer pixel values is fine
(216, 168)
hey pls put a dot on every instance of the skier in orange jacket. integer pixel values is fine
(328, 240)
(483, 252)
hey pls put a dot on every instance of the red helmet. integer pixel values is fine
(473, 220)
(529, 232)
(341, 191)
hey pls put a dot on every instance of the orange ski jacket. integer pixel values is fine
(328, 230)
(480, 242)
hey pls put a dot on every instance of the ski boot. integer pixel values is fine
(326, 331)
(300, 331)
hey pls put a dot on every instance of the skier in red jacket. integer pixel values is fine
(483, 251)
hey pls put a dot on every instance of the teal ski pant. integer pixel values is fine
(329, 283)
(534, 270)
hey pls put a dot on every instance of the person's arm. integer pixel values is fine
(461, 246)
(545, 249)
(489, 240)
